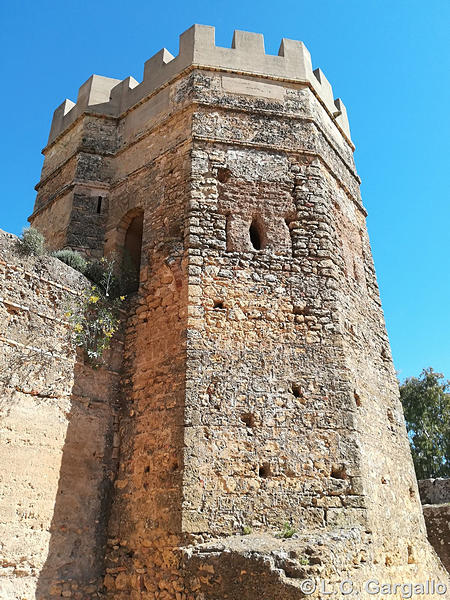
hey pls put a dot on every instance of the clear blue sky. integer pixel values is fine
(387, 60)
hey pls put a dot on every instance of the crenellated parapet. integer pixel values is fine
(197, 48)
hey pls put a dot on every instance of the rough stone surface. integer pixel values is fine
(258, 390)
(435, 496)
(57, 423)
(434, 491)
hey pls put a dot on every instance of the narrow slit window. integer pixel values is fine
(288, 220)
(99, 205)
(227, 232)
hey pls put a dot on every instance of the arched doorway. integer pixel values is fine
(131, 255)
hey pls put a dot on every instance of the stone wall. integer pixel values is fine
(435, 497)
(292, 407)
(58, 446)
(145, 527)
(265, 355)
(72, 202)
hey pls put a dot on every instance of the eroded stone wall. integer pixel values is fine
(58, 440)
(145, 529)
(292, 396)
(276, 360)
(72, 203)
(266, 381)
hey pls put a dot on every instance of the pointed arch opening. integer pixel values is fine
(132, 248)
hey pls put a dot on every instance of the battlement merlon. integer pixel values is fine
(106, 96)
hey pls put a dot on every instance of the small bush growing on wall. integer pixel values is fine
(287, 531)
(104, 274)
(31, 242)
(95, 317)
(71, 258)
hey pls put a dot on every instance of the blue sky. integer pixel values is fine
(388, 60)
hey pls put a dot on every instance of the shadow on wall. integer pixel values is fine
(75, 559)
(125, 242)
(133, 241)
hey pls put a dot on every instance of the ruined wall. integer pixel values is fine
(57, 442)
(390, 494)
(265, 380)
(435, 497)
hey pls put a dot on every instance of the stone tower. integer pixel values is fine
(258, 391)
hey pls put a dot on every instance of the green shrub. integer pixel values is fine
(94, 319)
(31, 242)
(71, 258)
(246, 530)
(287, 531)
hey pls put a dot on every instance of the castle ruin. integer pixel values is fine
(253, 389)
